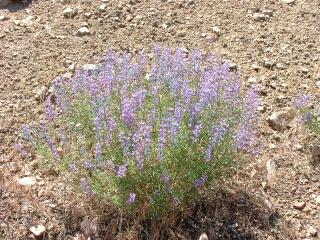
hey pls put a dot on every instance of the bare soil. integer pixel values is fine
(279, 53)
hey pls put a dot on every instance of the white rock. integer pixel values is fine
(90, 67)
(271, 170)
(255, 67)
(203, 236)
(233, 66)
(72, 67)
(83, 31)
(40, 92)
(216, 30)
(312, 232)
(268, 12)
(299, 205)
(3, 18)
(38, 230)
(252, 80)
(318, 84)
(26, 181)
(288, 1)
(88, 15)
(259, 16)
(280, 66)
(262, 109)
(69, 12)
(28, 21)
(103, 7)
(305, 70)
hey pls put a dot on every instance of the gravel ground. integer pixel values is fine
(274, 45)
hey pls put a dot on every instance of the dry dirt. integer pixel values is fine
(279, 53)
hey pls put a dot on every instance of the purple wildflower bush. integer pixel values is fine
(308, 116)
(148, 136)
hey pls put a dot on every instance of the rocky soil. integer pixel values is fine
(274, 45)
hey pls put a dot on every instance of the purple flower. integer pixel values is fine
(250, 105)
(306, 118)
(196, 131)
(61, 94)
(177, 119)
(200, 182)
(164, 134)
(142, 143)
(112, 124)
(194, 60)
(218, 133)
(122, 170)
(86, 187)
(46, 137)
(98, 152)
(73, 167)
(99, 116)
(18, 146)
(88, 164)
(26, 133)
(302, 101)
(209, 152)
(166, 178)
(125, 143)
(232, 88)
(49, 112)
(208, 89)
(131, 198)
(245, 137)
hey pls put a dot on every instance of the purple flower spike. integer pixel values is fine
(302, 101)
(122, 170)
(49, 112)
(131, 198)
(218, 132)
(86, 187)
(200, 182)
(26, 133)
(73, 167)
(306, 118)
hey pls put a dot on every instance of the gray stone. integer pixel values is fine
(38, 230)
(26, 181)
(299, 205)
(69, 12)
(259, 16)
(279, 121)
(83, 31)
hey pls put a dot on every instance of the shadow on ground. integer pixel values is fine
(16, 5)
(229, 216)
